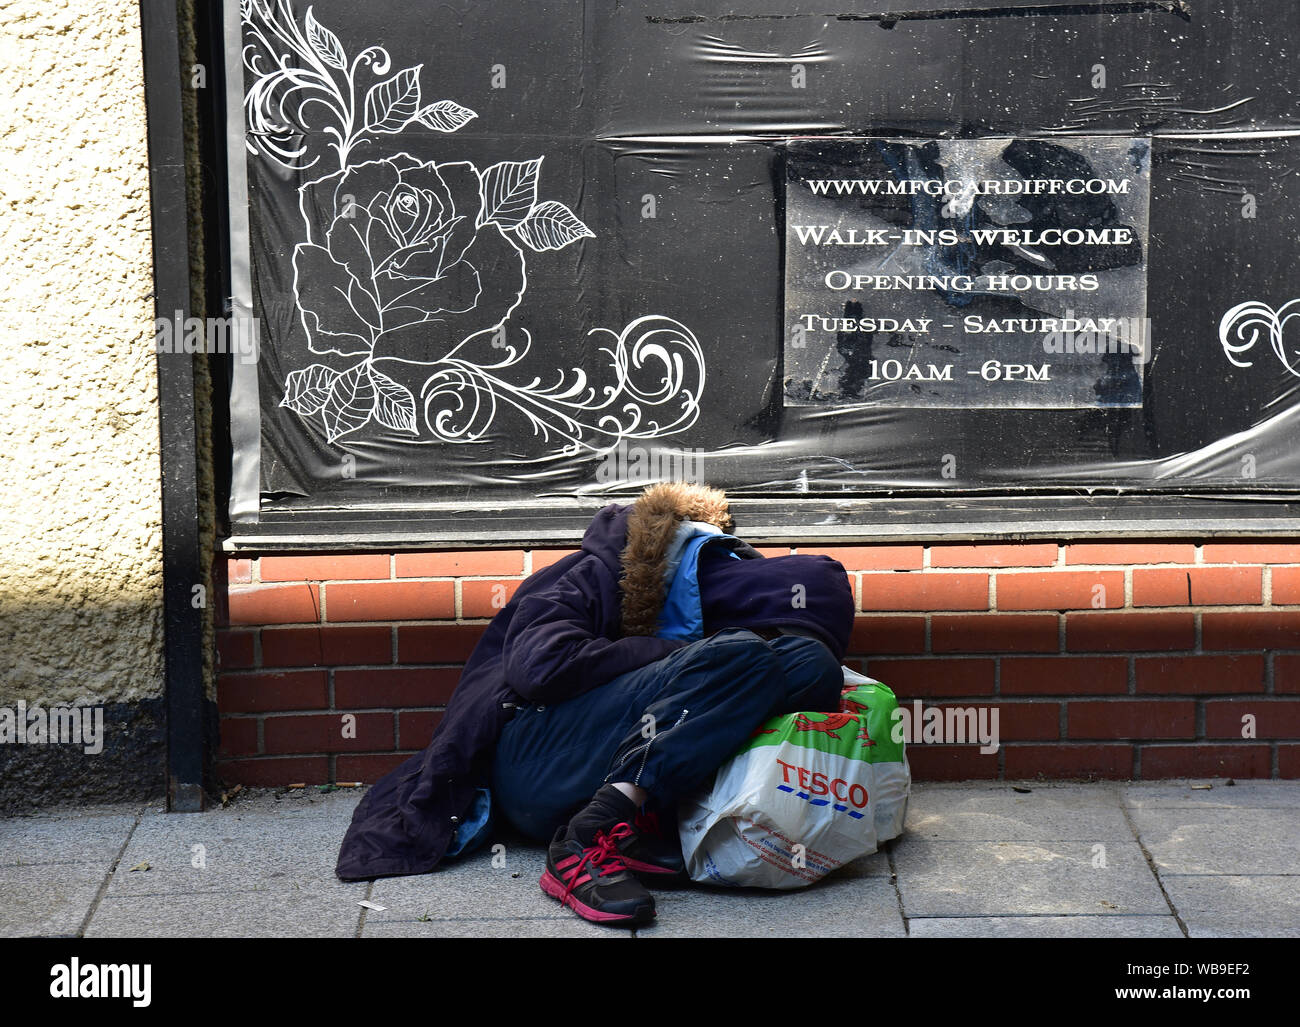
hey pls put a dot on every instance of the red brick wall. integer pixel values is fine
(1116, 660)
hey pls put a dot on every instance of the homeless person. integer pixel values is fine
(614, 683)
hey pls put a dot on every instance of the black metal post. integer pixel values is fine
(183, 587)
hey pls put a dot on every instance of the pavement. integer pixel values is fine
(1141, 860)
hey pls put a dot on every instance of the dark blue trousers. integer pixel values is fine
(666, 727)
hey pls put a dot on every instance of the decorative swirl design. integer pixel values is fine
(294, 70)
(1253, 317)
(657, 365)
(292, 73)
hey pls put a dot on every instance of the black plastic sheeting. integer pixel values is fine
(520, 249)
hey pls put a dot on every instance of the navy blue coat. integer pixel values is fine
(560, 636)
(557, 638)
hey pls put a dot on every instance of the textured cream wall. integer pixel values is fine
(80, 517)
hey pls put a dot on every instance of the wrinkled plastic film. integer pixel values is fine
(572, 251)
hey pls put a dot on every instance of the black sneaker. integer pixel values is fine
(586, 871)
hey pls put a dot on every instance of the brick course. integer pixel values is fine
(1041, 554)
(1150, 674)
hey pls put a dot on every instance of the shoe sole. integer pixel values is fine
(554, 887)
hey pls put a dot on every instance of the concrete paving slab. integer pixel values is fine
(305, 801)
(246, 853)
(1056, 815)
(290, 913)
(876, 864)
(80, 811)
(48, 899)
(27, 841)
(955, 878)
(1228, 859)
(471, 889)
(1236, 906)
(1103, 793)
(836, 907)
(1181, 795)
(569, 926)
(1045, 927)
(1221, 841)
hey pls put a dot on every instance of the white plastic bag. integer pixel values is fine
(807, 794)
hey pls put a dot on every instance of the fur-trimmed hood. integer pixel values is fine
(652, 528)
(804, 594)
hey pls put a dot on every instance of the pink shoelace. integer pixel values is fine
(603, 852)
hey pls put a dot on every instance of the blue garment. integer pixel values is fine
(474, 828)
(704, 700)
(666, 726)
(683, 612)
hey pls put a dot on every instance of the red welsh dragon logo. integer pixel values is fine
(849, 714)
(835, 721)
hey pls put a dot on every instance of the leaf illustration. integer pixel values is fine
(325, 43)
(350, 403)
(392, 103)
(305, 391)
(446, 116)
(394, 404)
(552, 226)
(509, 191)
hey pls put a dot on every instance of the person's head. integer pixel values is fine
(806, 595)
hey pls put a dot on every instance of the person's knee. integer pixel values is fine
(814, 676)
(738, 645)
(743, 647)
(822, 662)
(745, 662)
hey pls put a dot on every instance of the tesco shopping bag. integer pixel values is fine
(808, 793)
